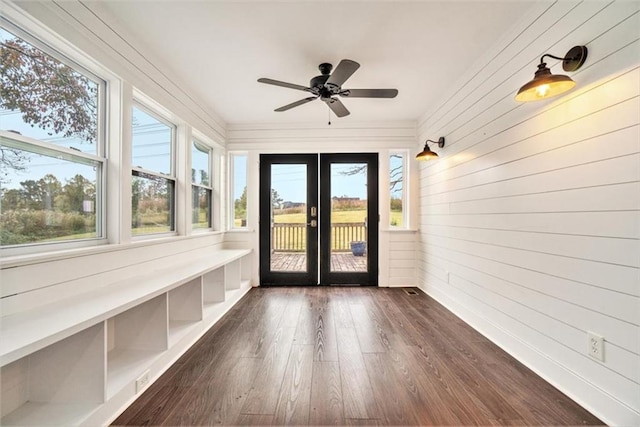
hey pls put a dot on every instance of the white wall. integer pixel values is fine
(530, 219)
(396, 268)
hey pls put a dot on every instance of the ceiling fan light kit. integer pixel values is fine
(327, 86)
(545, 85)
(426, 154)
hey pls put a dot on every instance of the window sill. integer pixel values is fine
(104, 247)
(240, 230)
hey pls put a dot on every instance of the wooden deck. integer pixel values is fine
(341, 262)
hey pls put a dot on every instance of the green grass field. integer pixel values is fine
(336, 217)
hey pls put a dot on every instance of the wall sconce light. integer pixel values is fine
(427, 154)
(545, 85)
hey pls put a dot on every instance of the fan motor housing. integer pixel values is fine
(318, 81)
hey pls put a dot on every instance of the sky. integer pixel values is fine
(290, 182)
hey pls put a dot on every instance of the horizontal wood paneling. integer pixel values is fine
(314, 138)
(609, 250)
(530, 218)
(601, 172)
(402, 258)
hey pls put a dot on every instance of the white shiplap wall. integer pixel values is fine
(530, 219)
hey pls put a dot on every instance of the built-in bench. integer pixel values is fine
(82, 359)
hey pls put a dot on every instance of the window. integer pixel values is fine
(238, 166)
(201, 185)
(51, 148)
(153, 182)
(397, 216)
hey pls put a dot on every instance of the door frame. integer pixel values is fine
(268, 277)
(318, 238)
(328, 277)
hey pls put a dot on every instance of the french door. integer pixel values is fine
(319, 219)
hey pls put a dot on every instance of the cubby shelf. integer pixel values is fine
(81, 366)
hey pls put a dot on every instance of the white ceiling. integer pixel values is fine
(218, 49)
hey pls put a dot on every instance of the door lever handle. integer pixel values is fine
(313, 223)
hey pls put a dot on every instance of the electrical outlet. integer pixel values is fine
(142, 381)
(596, 346)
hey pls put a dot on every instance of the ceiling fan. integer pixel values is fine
(328, 85)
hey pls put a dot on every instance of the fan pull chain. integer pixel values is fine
(329, 111)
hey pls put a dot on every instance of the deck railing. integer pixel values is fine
(293, 237)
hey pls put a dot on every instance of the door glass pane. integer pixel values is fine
(289, 217)
(348, 217)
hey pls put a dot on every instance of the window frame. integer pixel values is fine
(404, 198)
(195, 141)
(64, 54)
(231, 155)
(139, 104)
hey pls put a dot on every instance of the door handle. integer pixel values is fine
(314, 212)
(313, 223)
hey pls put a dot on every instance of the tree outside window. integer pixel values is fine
(50, 152)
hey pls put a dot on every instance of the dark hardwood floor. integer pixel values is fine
(348, 356)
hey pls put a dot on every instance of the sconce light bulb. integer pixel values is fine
(542, 90)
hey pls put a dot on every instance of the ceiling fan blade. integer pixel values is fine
(343, 71)
(337, 107)
(295, 104)
(284, 84)
(369, 93)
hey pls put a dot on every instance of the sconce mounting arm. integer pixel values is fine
(572, 61)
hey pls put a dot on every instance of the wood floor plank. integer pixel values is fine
(326, 395)
(295, 393)
(393, 398)
(263, 397)
(292, 311)
(257, 339)
(388, 334)
(316, 327)
(396, 359)
(340, 308)
(232, 393)
(255, 420)
(220, 397)
(467, 405)
(362, 422)
(446, 356)
(357, 394)
(152, 408)
(370, 337)
(325, 343)
(550, 406)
